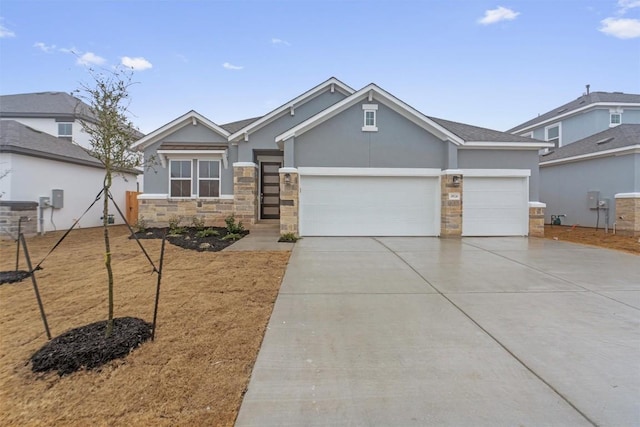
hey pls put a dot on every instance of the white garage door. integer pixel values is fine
(495, 206)
(364, 205)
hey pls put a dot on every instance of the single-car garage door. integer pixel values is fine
(495, 206)
(369, 202)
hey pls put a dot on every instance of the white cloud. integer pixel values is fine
(232, 67)
(621, 28)
(43, 47)
(5, 32)
(137, 64)
(493, 16)
(625, 5)
(90, 58)
(277, 41)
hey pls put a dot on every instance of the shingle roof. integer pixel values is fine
(43, 104)
(475, 133)
(582, 101)
(617, 137)
(20, 139)
(234, 127)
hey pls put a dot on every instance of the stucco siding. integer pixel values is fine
(564, 187)
(81, 184)
(504, 159)
(264, 138)
(341, 142)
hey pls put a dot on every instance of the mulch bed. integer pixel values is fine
(87, 347)
(13, 276)
(188, 239)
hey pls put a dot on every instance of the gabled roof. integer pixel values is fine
(584, 102)
(57, 105)
(611, 140)
(186, 119)
(458, 133)
(471, 133)
(20, 139)
(331, 84)
(236, 126)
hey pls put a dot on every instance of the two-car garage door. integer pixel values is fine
(369, 202)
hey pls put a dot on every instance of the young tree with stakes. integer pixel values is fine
(111, 134)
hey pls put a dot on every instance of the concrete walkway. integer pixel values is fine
(262, 237)
(427, 331)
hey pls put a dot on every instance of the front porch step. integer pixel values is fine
(266, 224)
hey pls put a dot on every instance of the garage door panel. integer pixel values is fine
(368, 206)
(495, 206)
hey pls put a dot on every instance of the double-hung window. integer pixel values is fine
(180, 178)
(552, 134)
(208, 178)
(65, 130)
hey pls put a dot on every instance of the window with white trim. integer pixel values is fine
(65, 130)
(208, 178)
(180, 178)
(552, 134)
(615, 119)
(370, 117)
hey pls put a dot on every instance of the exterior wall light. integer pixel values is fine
(455, 180)
(287, 178)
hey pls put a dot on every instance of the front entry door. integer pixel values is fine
(270, 190)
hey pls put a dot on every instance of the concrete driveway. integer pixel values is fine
(471, 332)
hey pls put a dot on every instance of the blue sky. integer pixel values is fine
(489, 63)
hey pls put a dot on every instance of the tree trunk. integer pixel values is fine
(107, 247)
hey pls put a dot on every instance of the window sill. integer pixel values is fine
(369, 128)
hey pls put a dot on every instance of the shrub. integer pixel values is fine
(141, 225)
(232, 236)
(174, 225)
(232, 226)
(207, 232)
(198, 222)
(288, 237)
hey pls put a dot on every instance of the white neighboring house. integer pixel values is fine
(38, 164)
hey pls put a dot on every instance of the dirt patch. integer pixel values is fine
(593, 237)
(213, 312)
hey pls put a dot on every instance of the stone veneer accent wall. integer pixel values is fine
(10, 214)
(451, 206)
(536, 219)
(245, 192)
(156, 212)
(289, 201)
(628, 214)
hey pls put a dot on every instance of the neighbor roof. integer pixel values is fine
(21, 139)
(233, 127)
(592, 99)
(471, 133)
(44, 104)
(614, 138)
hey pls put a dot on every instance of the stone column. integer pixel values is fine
(10, 214)
(289, 197)
(536, 219)
(451, 184)
(628, 214)
(245, 192)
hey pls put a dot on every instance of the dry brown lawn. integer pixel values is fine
(593, 237)
(213, 312)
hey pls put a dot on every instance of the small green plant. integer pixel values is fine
(174, 225)
(141, 225)
(232, 236)
(207, 232)
(232, 226)
(288, 237)
(198, 223)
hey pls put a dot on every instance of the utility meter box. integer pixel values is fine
(57, 199)
(603, 204)
(592, 199)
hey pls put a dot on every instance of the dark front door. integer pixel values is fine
(270, 190)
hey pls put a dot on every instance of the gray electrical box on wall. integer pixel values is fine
(57, 199)
(592, 199)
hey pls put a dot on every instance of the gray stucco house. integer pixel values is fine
(591, 177)
(336, 161)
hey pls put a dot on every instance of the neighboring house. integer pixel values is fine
(592, 176)
(335, 161)
(41, 166)
(56, 113)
